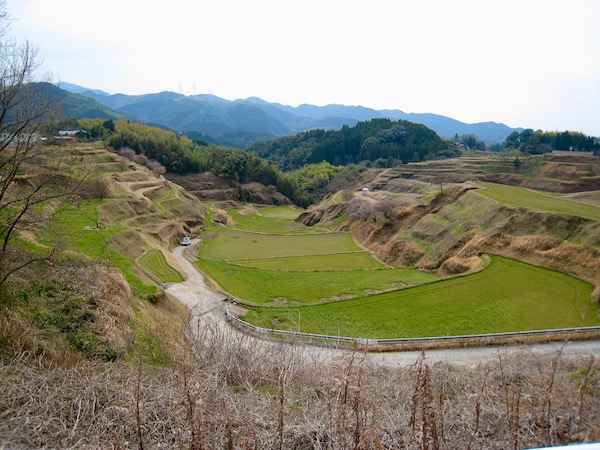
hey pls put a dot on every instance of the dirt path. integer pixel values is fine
(203, 302)
(193, 292)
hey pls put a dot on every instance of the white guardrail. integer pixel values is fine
(318, 338)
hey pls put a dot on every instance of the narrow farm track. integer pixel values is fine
(204, 304)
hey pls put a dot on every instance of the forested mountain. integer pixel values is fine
(242, 122)
(382, 142)
(75, 105)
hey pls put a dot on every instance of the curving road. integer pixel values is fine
(203, 303)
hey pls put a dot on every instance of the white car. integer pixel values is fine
(186, 241)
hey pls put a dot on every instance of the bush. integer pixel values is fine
(156, 297)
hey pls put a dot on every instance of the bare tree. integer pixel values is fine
(29, 175)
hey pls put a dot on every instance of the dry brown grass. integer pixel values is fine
(534, 243)
(136, 175)
(129, 243)
(456, 265)
(112, 295)
(59, 311)
(125, 209)
(236, 393)
(221, 216)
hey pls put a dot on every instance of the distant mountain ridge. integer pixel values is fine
(243, 122)
(76, 105)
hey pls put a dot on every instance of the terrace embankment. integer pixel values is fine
(450, 231)
(559, 172)
(209, 187)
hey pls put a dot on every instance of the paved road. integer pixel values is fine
(206, 303)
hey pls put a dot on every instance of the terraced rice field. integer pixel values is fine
(296, 287)
(507, 296)
(325, 284)
(294, 268)
(271, 220)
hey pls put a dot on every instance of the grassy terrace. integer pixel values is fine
(526, 198)
(238, 245)
(507, 296)
(293, 287)
(271, 220)
(286, 263)
(85, 229)
(154, 261)
(339, 261)
(74, 229)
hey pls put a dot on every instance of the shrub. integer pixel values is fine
(360, 208)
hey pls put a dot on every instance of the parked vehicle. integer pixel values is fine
(186, 241)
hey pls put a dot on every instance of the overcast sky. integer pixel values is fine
(528, 63)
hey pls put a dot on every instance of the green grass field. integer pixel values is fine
(507, 296)
(285, 287)
(337, 261)
(74, 229)
(272, 220)
(227, 244)
(154, 261)
(280, 212)
(295, 269)
(526, 198)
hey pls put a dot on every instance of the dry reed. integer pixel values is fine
(238, 392)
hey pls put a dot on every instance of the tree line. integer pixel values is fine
(537, 142)
(376, 142)
(157, 148)
(307, 166)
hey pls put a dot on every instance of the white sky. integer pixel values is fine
(529, 63)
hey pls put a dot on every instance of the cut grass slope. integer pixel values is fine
(507, 296)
